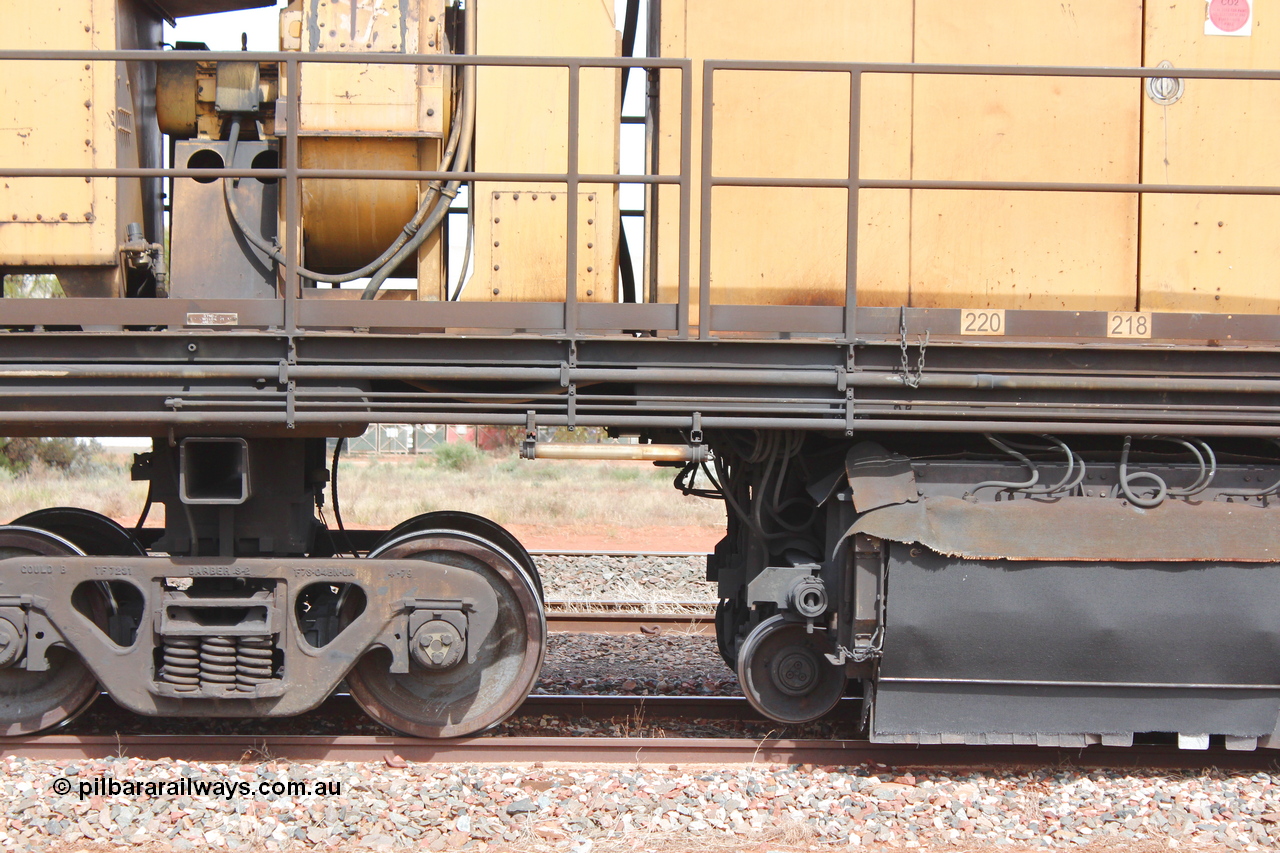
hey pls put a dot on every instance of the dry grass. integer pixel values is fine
(381, 492)
(99, 483)
(552, 493)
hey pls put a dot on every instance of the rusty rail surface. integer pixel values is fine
(614, 621)
(622, 751)
(251, 747)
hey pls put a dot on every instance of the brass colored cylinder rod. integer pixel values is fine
(646, 452)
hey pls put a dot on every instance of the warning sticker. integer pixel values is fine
(1229, 18)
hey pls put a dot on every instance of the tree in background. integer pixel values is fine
(32, 287)
(21, 454)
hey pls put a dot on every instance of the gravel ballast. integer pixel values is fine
(626, 578)
(392, 805)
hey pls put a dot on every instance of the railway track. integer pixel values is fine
(152, 743)
(612, 750)
(627, 617)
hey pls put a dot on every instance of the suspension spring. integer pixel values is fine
(217, 660)
(253, 662)
(181, 666)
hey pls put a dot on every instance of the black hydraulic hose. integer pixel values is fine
(333, 493)
(625, 267)
(1002, 484)
(1127, 480)
(410, 230)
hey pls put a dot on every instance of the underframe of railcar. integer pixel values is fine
(1019, 543)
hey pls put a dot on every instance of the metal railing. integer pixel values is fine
(293, 312)
(844, 321)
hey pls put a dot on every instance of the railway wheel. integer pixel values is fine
(477, 525)
(461, 696)
(91, 532)
(785, 674)
(34, 701)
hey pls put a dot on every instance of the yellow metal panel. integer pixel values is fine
(527, 247)
(390, 100)
(58, 114)
(1211, 253)
(1025, 250)
(786, 246)
(535, 100)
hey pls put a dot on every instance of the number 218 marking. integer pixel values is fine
(1128, 324)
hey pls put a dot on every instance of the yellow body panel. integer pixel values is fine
(522, 125)
(787, 246)
(343, 99)
(983, 249)
(920, 248)
(1199, 252)
(61, 114)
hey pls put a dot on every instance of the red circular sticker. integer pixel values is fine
(1229, 15)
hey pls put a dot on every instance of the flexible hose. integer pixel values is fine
(1254, 493)
(1002, 484)
(1127, 480)
(411, 229)
(1074, 460)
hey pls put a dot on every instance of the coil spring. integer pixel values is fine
(217, 660)
(253, 662)
(182, 663)
(191, 663)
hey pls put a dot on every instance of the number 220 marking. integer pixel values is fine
(988, 321)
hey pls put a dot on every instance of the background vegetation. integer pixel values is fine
(382, 491)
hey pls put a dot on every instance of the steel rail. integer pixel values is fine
(615, 622)
(639, 751)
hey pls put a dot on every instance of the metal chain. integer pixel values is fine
(911, 378)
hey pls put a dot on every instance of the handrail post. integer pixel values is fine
(293, 197)
(704, 238)
(686, 199)
(851, 238)
(571, 180)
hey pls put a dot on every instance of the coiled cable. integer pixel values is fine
(1007, 484)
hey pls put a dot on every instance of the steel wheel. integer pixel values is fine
(476, 525)
(785, 674)
(470, 696)
(34, 701)
(91, 532)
